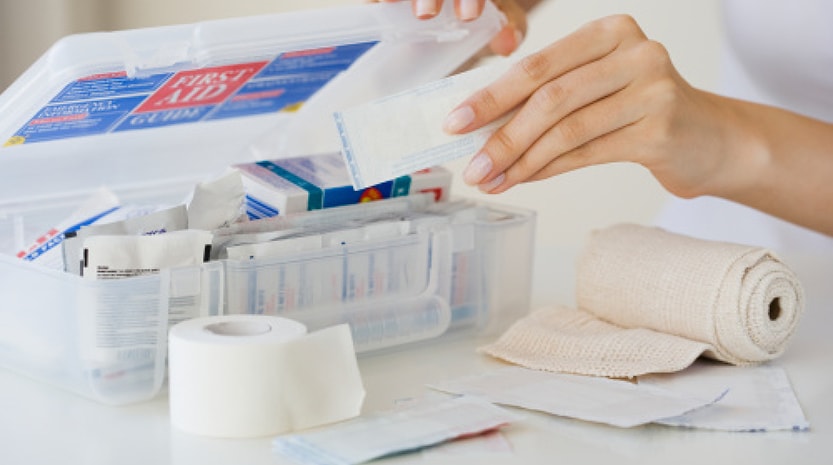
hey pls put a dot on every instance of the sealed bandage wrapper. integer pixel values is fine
(238, 376)
(651, 301)
(590, 398)
(760, 398)
(427, 423)
(402, 133)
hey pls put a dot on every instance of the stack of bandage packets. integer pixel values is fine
(707, 395)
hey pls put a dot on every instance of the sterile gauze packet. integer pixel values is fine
(400, 134)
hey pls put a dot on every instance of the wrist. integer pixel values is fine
(744, 152)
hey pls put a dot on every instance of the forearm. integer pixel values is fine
(785, 164)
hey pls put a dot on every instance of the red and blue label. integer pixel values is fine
(114, 102)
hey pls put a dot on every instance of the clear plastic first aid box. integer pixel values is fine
(149, 113)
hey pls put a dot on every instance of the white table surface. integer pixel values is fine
(40, 424)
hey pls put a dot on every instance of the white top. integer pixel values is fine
(777, 53)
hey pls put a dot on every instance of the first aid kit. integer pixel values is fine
(139, 117)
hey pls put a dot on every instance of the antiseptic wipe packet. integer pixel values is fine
(125, 221)
(113, 257)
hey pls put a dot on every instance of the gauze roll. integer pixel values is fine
(254, 375)
(653, 301)
(741, 300)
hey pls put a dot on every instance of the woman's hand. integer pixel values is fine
(505, 42)
(605, 93)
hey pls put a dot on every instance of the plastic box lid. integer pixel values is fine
(150, 109)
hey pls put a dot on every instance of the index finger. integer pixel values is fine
(587, 44)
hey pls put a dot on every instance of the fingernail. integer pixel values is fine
(479, 167)
(425, 8)
(489, 186)
(469, 9)
(458, 119)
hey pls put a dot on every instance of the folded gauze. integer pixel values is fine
(651, 301)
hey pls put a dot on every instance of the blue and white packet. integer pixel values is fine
(409, 429)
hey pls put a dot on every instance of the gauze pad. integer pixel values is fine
(403, 133)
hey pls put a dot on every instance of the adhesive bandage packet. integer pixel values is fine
(387, 433)
(298, 184)
(400, 134)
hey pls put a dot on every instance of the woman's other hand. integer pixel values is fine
(505, 42)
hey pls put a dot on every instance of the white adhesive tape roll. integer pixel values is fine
(255, 375)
